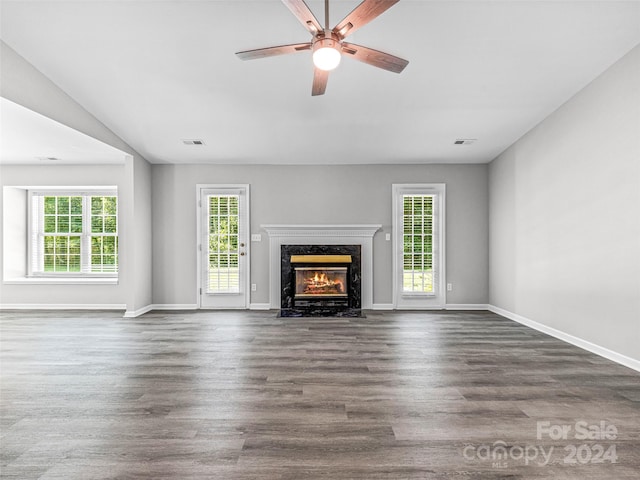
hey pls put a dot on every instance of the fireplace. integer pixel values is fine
(320, 277)
(321, 280)
(301, 235)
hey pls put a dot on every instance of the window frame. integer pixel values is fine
(35, 227)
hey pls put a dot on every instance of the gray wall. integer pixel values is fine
(319, 195)
(565, 216)
(137, 261)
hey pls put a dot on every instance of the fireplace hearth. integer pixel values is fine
(320, 280)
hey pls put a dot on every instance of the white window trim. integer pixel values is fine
(67, 277)
(437, 299)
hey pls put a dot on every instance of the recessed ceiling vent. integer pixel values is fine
(464, 141)
(48, 159)
(193, 142)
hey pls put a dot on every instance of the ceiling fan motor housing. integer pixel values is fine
(327, 40)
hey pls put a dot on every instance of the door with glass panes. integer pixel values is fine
(223, 247)
(419, 246)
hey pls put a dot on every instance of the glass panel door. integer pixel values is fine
(419, 246)
(224, 247)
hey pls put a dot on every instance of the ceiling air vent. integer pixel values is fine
(48, 159)
(193, 142)
(464, 141)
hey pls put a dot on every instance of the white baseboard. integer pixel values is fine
(137, 313)
(174, 306)
(62, 306)
(382, 306)
(566, 337)
(466, 306)
(159, 306)
(260, 306)
(183, 306)
(449, 306)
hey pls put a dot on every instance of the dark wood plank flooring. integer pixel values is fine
(246, 395)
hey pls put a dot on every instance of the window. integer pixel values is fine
(418, 226)
(74, 233)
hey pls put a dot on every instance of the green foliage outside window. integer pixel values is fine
(223, 231)
(104, 220)
(223, 243)
(64, 223)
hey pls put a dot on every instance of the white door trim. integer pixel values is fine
(247, 224)
(439, 189)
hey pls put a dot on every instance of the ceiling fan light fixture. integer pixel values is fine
(326, 54)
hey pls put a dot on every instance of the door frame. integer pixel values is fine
(439, 189)
(199, 232)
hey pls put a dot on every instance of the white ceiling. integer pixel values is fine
(158, 72)
(26, 137)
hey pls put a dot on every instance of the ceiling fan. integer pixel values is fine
(328, 45)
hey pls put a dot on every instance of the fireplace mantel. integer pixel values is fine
(321, 230)
(321, 235)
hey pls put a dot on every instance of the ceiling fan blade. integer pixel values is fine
(320, 78)
(373, 57)
(361, 15)
(273, 51)
(304, 14)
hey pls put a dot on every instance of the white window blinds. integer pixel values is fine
(223, 266)
(418, 272)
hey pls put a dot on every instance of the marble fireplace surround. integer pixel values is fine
(321, 235)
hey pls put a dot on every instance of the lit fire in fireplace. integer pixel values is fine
(322, 285)
(321, 281)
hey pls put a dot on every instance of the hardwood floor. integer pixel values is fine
(246, 395)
